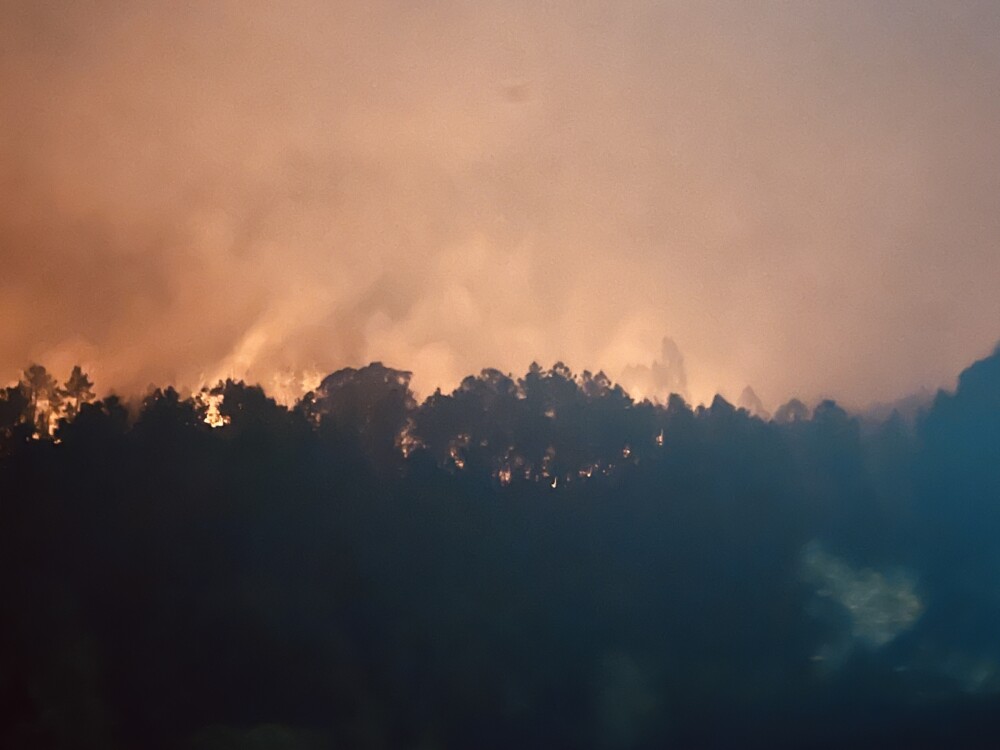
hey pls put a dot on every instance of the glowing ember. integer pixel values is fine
(214, 418)
(407, 442)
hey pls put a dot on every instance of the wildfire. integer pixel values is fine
(407, 441)
(214, 418)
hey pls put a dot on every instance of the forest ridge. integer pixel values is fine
(548, 424)
(539, 562)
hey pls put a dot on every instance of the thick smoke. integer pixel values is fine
(657, 381)
(803, 197)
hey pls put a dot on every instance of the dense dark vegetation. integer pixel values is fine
(538, 562)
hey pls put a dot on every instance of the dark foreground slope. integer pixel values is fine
(533, 563)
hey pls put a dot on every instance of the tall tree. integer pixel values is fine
(77, 391)
(371, 405)
(13, 408)
(44, 398)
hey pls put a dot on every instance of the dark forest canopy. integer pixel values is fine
(531, 562)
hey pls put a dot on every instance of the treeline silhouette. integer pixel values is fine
(533, 562)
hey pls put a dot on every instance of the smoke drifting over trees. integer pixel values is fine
(537, 561)
(200, 190)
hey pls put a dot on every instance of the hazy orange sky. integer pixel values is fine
(803, 196)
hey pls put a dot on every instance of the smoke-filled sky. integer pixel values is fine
(803, 196)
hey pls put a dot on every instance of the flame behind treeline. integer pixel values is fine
(196, 192)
